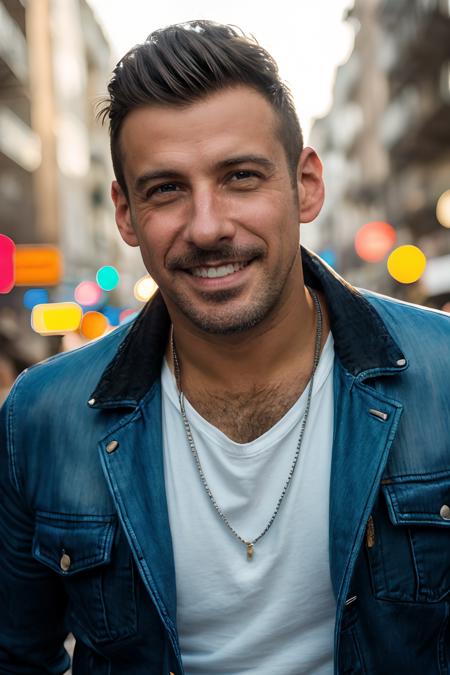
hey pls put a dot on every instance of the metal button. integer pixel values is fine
(65, 562)
(351, 600)
(401, 362)
(370, 533)
(379, 413)
(112, 445)
(445, 512)
(91, 401)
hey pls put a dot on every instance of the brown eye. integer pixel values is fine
(242, 175)
(162, 189)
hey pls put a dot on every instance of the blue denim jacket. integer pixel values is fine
(85, 543)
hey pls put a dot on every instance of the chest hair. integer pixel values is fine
(246, 415)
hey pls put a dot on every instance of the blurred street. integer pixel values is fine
(385, 146)
(66, 278)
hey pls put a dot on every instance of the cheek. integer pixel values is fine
(150, 253)
(156, 239)
(277, 224)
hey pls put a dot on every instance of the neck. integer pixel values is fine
(267, 353)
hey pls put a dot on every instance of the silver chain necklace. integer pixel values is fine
(250, 544)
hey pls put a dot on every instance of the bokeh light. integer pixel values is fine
(38, 266)
(88, 293)
(373, 241)
(144, 288)
(56, 318)
(35, 296)
(112, 314)
(107, 278)
(127, 315)
(7, 263)
(329, 256)
(406, 264)
(93, 325)
(443, 209)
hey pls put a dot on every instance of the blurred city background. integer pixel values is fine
(383, 134)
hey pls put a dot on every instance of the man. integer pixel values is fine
(254, 476)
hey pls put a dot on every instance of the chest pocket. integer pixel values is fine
(92, 557)
(408, 541)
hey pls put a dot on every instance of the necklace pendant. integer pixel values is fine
(249, 550)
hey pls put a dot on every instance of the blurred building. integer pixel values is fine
(20, 145)
(386, 140)
(55, 168)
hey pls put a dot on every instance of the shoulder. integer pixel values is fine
(47, 408)
(411, 324)
(423, 335)
(62, 379)
(389, 305)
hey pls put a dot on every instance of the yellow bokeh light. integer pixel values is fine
(406, 264)
(56, 318)
(93, 325)
(144, 288)
(443, 209)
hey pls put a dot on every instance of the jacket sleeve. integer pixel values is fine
(32, 600)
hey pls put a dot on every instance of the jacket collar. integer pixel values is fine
(361, 340)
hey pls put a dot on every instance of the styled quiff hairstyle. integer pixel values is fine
(182, 64)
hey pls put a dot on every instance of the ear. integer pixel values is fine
(123, 215)
(310, 185)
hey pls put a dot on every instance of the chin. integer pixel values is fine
(229, 322)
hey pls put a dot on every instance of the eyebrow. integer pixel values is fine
(260, 160)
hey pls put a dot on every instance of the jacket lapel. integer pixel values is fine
(365, 424)
(132, 460)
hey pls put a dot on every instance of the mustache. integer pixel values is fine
(198, 257)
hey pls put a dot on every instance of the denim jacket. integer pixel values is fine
(85, 543)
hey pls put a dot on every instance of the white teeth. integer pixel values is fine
(200, 272)
(224, 270)
(221, 271)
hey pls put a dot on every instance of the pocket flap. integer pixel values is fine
(73, 543)
(419, 502)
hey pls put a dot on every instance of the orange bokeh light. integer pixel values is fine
(38, 266)
(374, 240)
(93, 325)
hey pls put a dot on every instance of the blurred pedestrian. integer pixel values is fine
(13, 359)
(7, 376)
(254, 475)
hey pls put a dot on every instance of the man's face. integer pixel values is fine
(213, 209)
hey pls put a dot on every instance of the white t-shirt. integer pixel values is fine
(275, 613)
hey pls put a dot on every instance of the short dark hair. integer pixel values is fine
(183, 63)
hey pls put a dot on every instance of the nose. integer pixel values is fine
(209, 222)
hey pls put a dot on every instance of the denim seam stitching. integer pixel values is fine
(14, 470)
(415, 565)
(417, 477)
(441, 645)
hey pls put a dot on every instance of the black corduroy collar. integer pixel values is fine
(361, 339)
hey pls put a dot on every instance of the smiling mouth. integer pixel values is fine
(218, 271)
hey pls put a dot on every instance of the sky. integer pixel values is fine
(307, 38)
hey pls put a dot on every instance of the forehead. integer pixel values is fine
(229, 122)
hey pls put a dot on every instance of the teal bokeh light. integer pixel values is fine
(107, 278)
